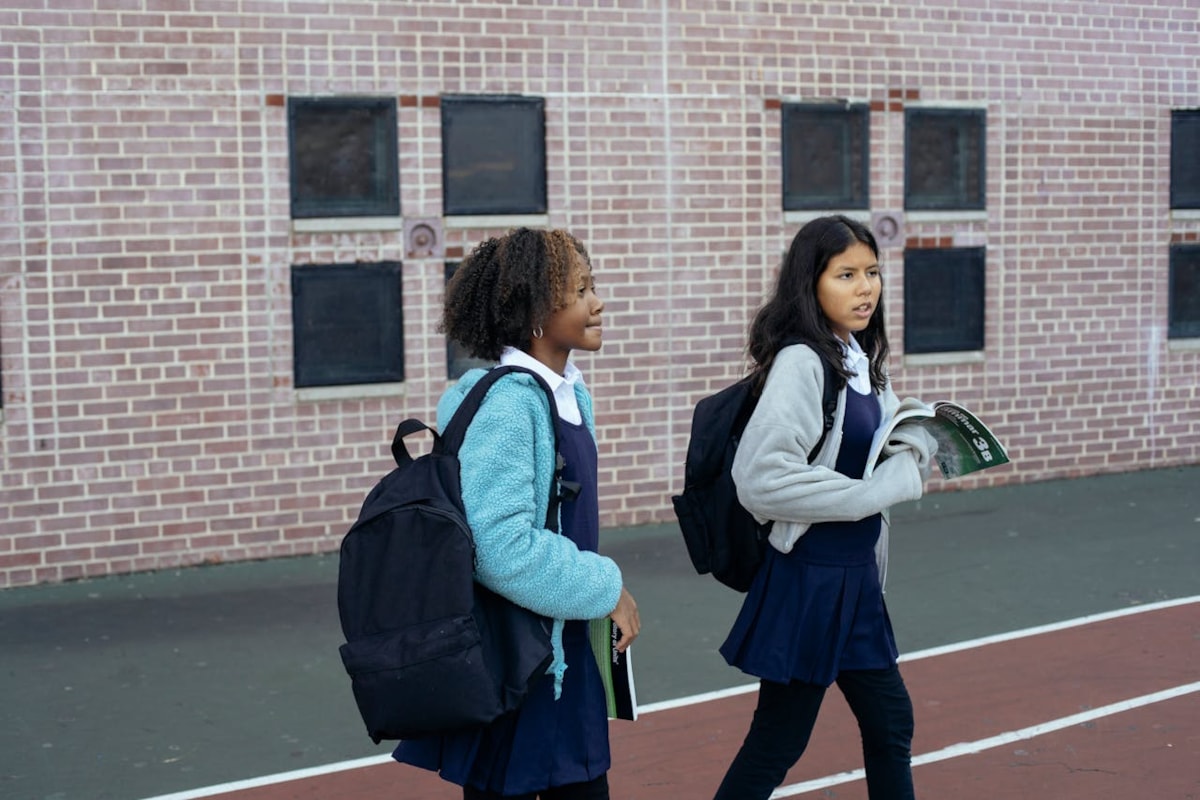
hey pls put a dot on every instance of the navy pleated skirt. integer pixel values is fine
(819, 609)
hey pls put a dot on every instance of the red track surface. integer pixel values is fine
(1147, 752)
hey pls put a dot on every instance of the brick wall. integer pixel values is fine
(149, 415)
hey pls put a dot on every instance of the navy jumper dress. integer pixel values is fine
(818, 610)
(546, 742)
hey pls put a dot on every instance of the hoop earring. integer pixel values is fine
(537, 332)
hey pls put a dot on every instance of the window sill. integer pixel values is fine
(347, 224)
(359, 391)
(802, 217)
(945, 216)
(1185, 213)
(938, 359)
(497, 221)
(1183, 345)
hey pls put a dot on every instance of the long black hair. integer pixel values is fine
(793, 313)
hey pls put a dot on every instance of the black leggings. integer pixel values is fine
(595, 789)
(784, 719)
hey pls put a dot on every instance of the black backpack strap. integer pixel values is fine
(829, 398)
(450, 440)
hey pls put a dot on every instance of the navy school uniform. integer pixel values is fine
(546, 742)
(819, 609)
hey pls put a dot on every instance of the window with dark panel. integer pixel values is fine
(943, 299)
(826, 156)
(347, 324)
(343, 157)
(1185, 158)
(944, 159)
(1183, 314)
(493, 155)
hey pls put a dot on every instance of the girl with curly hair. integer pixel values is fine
(528, 298)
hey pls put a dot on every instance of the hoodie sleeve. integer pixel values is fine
(771, 471)
(506, 465)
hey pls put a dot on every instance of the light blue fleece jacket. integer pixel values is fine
(506, 464)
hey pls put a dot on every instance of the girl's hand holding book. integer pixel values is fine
(916, 439)
(625, 617)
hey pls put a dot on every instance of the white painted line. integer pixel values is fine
(942, 650)
(720, 694)
(695, 699)
(1008, 737)
(1050, 628)
(279, 777)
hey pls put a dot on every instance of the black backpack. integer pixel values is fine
(721, 536)
(428, 649)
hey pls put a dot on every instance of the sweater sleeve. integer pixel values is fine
(505, 465)
(771, 471)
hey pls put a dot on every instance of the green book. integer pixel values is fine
(965, 444)
(616, 669)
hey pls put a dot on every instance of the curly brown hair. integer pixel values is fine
(507, 287)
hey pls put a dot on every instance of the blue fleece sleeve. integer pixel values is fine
(506, 465)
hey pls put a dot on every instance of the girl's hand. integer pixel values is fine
(919, 441)
(625, 616)
(897, 478)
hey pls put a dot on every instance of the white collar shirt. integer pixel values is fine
(563, 385)
(858, 365)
